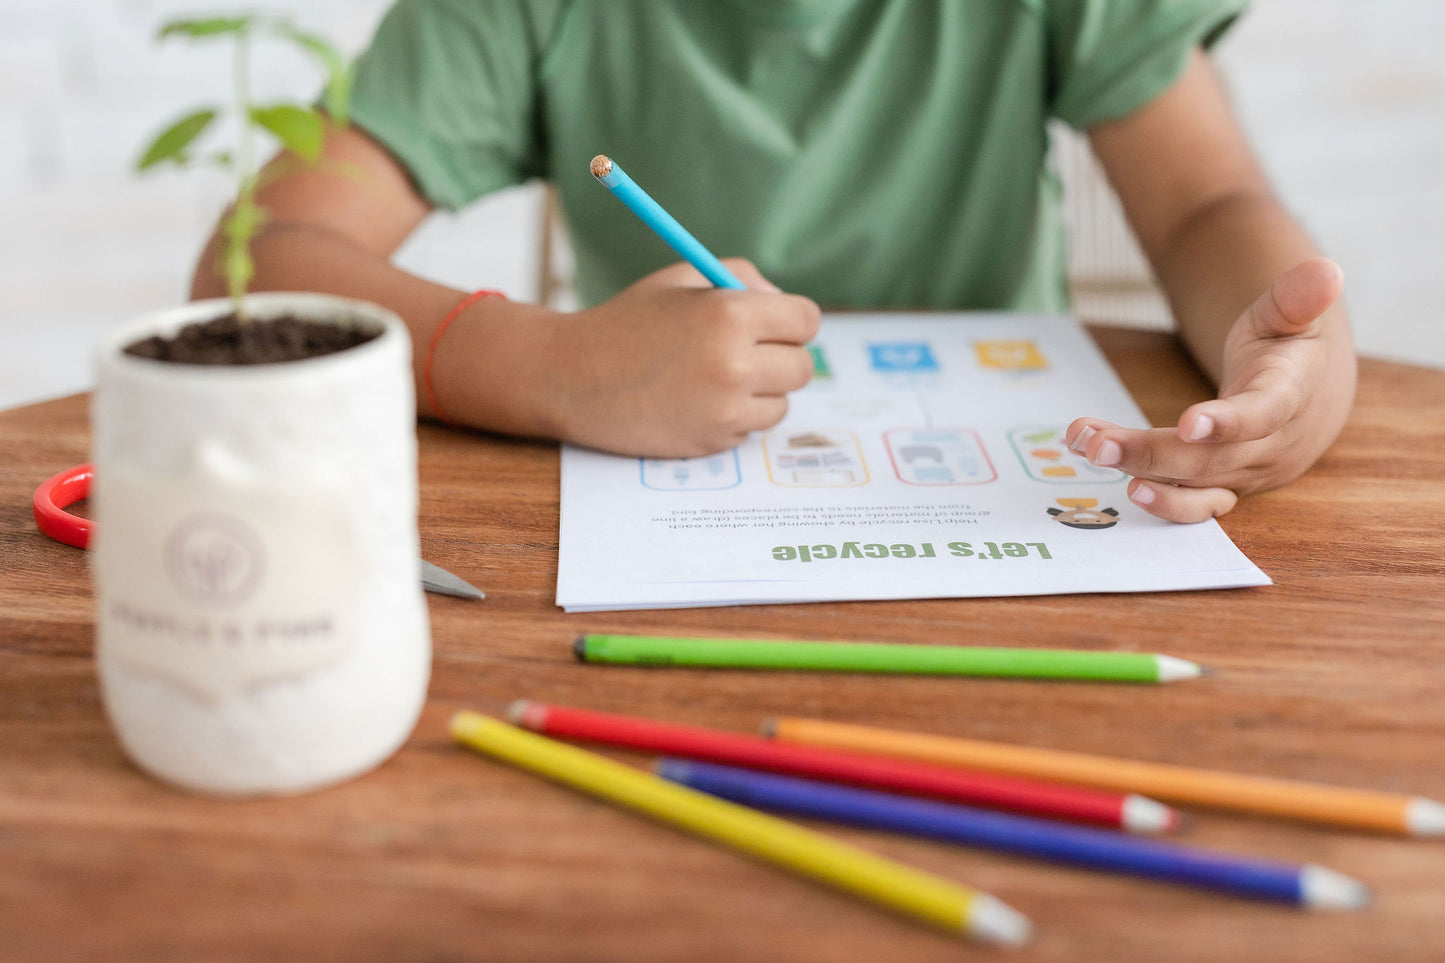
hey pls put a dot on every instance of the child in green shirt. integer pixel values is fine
(861, 153)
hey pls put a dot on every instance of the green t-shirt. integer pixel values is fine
(884, 153)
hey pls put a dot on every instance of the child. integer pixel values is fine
(862, 153)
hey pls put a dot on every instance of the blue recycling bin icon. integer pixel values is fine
(902, 356)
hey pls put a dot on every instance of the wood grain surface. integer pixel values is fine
(1335, 673)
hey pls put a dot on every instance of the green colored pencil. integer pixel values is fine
(881, 657)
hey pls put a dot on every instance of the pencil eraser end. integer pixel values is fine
(462, 725)
(528, 714)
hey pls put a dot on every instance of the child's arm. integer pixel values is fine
(1255, 304)
(669, 367)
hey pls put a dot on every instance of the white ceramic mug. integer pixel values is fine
(260, 622)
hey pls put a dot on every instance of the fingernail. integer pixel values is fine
(1203, 428)
(1109, 454)
(1143, 495)
(1082, 441)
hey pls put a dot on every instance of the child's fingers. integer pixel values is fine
(1178, 504)
(780, 368)
(1158, 453)
(1157, 494)
(1297, 298)
(679, 275)
(762, 412)
(784, 319)
(1080, 430)
(1265, 405)
(746, 272)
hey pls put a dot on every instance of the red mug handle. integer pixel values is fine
(54, 495)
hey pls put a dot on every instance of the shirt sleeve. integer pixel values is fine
(1108, 58)
(448, 88)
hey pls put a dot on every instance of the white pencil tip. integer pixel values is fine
(1425, 817)
(1322, 888)
(1144, 815)
(1173, 670)
(993, 921)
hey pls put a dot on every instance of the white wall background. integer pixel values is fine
(1345, 102)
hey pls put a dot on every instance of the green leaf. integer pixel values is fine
(171, 143)
(299, 128)
(339, 73)
(206, 27)
(338, 95)
(327, 55)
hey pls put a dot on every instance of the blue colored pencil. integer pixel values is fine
(1303, 885)
(689, 248)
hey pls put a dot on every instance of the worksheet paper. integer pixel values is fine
(926, 459)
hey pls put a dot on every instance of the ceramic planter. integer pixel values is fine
(260, 622)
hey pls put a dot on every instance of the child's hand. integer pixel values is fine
(673, 367)
(1280, 406)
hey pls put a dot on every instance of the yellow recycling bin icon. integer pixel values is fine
(1009, 355)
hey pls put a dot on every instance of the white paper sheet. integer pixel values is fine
(925, 460)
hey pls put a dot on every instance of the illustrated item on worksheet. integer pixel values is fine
(938, 456)
(904, 364)
(1016, 355)
(1083, 513)
(1047, 458)
(814, 458)
(709, 473)
(822, 371)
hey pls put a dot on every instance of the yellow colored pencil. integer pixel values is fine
(946, 904)
(1285, 798)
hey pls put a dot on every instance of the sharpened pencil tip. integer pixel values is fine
(1172, 669)
(769, 728)
(601, 165)
(1322, 888)
(463, 723)
(1142, 815)
(579, 648)
(993, 921)
(1425, 817)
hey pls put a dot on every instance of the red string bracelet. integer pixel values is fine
(426, 385)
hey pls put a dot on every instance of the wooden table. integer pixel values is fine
(1336, 673)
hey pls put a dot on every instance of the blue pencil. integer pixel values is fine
(1303, 885)
(689, 248)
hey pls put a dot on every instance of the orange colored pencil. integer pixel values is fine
(1284, 798)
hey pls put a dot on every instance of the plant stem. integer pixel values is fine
(245, 216)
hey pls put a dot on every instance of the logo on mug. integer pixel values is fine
(214, 559)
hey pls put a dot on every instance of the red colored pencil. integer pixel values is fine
(1055, 800)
